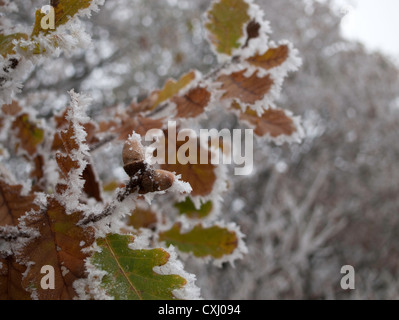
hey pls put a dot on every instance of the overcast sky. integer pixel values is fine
(374, 22)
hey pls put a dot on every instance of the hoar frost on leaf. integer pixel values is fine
(124, 280)
(76, 117)
(190, 291)
(206, 241)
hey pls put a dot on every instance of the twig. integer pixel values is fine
(109, 209)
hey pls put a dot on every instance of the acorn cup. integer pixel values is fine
(156, 180)
(141, 174)
(133, 156)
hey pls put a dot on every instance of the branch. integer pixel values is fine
(109, 209)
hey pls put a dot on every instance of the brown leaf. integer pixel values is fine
(193, 103)
(68, 138)
(60, 245)
(68, 145)
(11, 109)
(66, 164)
(91, 128)
(248, 90)
(57, 143)
(138, 124)
(37, 172)
(201, 177)
(274, 122)
(107, 126)
(142, 218)
(13, 204)
(11, 274)
(92, 186)
(28, 133)
(272, 58)
(60, 119)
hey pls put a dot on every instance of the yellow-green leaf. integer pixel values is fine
(171, 88)
(188, 209)
(6, 45)
(202, 242)
(227, 19)
(130, 274)
(64, 11)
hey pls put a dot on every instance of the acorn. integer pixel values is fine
(133, 156)
(156, 180)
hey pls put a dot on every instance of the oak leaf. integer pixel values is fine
(202, 242)
(58, 242)
(13, 204)
(11, 274)
(130, 274)
(170, 89)
(11, 109)
(138, 124)
(64, 11)
(273, 122)
(247, 90)
(28, 133)
(193, 103)
(6, 43)
(142, 218)
(92, 186)
(272, 58)
(59, 245)
(202, 177)
(188, 209)
(227, 19)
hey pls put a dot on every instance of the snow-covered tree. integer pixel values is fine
(86, 199)
(305, 211)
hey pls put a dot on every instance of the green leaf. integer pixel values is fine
(188, 209)
(64, 11)
(6, 45)
(214, 242)
(130, 274)
(227, 19)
